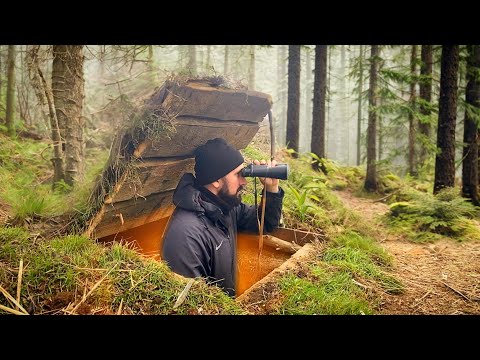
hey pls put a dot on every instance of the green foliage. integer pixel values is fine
(301, 204)
(251, 153)
(25, 173)
(424, 215)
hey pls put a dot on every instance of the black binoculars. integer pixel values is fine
(280, 171)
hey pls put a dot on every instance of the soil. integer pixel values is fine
(439, 278)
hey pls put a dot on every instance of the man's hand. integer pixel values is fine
(269, 183)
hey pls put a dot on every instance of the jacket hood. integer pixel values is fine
(188, 197)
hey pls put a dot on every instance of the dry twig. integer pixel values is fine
(457, 291)
(19, 282)
(93, 289)
(11, 298)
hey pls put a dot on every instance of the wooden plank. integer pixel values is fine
(153, 176)
(121, 216)
(192, 132)
(203, 98)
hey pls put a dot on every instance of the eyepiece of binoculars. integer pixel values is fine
(280, 171)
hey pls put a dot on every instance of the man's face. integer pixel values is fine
(232, 186)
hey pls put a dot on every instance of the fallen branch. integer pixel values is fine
(457, 291)
(19, 282)
(386, 197)
(360, 284)
(423, 297)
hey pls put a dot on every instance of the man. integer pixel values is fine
(202, 235)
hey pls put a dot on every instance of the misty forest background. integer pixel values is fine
(411, 109)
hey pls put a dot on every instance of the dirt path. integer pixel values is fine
(439, 278)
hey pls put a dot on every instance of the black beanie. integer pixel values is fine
(214, 160)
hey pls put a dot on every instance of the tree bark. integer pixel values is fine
(445, 159)
(318, 113)
(470, 130)
(192, 60)
(371, 178)
(359, 118)
(293, 111)
(412, 166)
(57, 160)
(226, 61)
(10, 111)
(251, 69)
(68, 93)
(426, 96)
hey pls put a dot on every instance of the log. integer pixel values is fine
(204, 99)
(152, 176)
(190, 133)
(281, 245)
(128, 214)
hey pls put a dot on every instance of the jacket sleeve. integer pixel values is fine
(185, 253)
(247, 214)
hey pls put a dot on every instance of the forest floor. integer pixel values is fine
(439, 278)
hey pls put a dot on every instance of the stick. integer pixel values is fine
(93, 288)
(385, 197)
(13, 311)
(457, 291)
(183, 294)
(119, 311)
(19, 282)
(423, 297)
(10, 297)
(360, 284)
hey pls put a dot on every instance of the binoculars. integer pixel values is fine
(280, 171)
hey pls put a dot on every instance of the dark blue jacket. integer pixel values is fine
(202, 233)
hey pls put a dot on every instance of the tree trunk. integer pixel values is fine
(151, 65)
(426, 96)
(68, 93)
(359, 118)
(412, 166)
(1, 71)
(57, 160)
(470, 130)
(293, 111)
(226, 61)
(318, 113)
(208, 62)
(10, 111)
(371, 178)
(447, 114)
(192, 60)
(282, 92)
(307, 123)
(251, 69)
